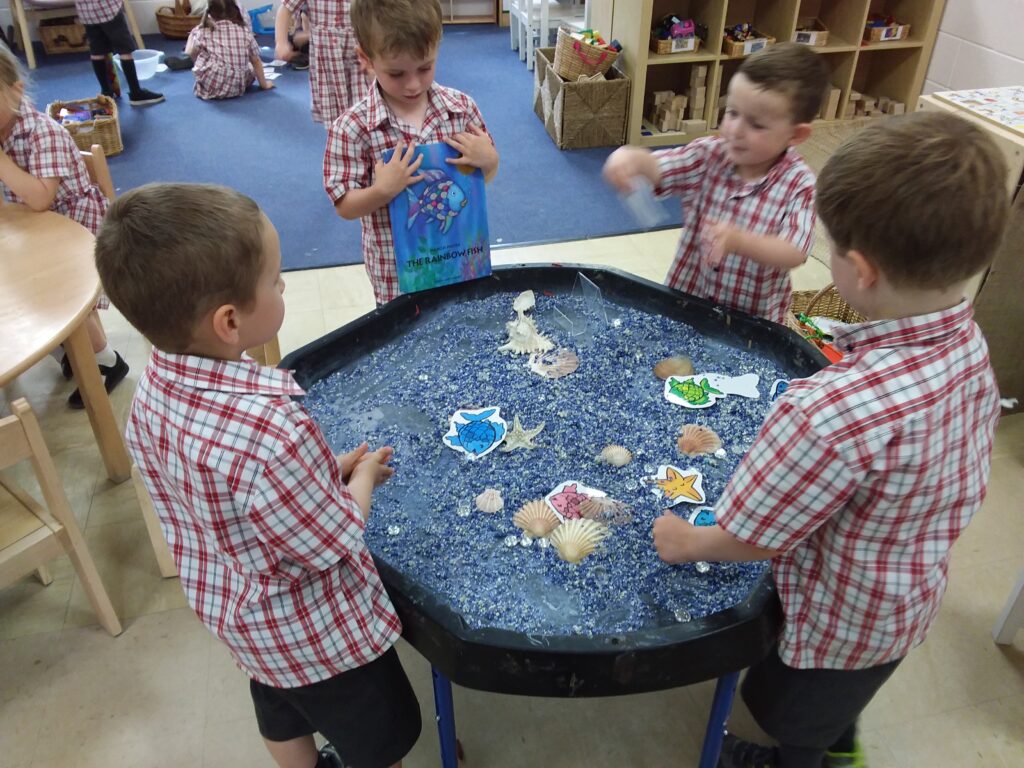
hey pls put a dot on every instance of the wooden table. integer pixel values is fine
(48, 286)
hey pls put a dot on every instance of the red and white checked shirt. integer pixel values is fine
(97, 11)
(781, 204)
(863, 476)
(359, 138)
(223, 66)
(41, 147)
(267, 539)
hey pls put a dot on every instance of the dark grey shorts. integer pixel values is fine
(110, 37)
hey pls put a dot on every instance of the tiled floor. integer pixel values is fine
(165, 693)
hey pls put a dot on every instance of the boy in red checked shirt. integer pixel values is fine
(398, 42)
(747, 197)
(865, 474)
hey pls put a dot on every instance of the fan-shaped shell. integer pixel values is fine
(554, 365)
(605, 510)
(490, 501)
(616, 455)
(575, 539)
(674, 366)
(536, 518)
(695, 440)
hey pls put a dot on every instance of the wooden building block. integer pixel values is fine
(830, 107)
(897, 108)
(660, 97)
(694, 126)
(679, 102)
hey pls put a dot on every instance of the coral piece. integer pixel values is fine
(524, 338)
(520, 437)
(490, 501)
(674, 366)
(536, 519)
(616, 455)
(554, 365)
(605, 510)
(576, 539)
(695, 440)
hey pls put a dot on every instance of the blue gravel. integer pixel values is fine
(424, 522)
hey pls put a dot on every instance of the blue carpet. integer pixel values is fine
(266, 145)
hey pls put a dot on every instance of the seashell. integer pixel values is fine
(605, 510)
(490, 501)
(524, 338)
(695, 440)
(524, 302)
(575, 539)
(554, 365)
(616, 455)
(536, 519)
(674, 366)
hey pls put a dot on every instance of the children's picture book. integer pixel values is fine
(439, 224)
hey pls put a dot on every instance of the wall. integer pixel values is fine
(980, 45)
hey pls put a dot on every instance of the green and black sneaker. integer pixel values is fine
(854, 759)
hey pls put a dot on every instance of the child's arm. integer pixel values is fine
(679, 542)
(626, 163)
(261, 76)
(370, 471)
(476, 150)
(390, 179)
(192, 45)
(37, 193)
(282, 23)
(721, 239)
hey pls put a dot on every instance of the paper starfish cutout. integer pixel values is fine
(519, 437)
(676, 485)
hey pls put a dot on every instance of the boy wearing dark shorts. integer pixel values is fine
(107, 33)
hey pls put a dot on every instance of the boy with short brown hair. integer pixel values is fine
(747, 197)
(264, 523)
(865, 474)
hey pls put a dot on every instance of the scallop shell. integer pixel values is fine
(695, 440)
(674, 366)
(490, 501)
(536, 518)
(602, 509)
(554, 365)
(616, 455)
(524, 302)
(575, 539)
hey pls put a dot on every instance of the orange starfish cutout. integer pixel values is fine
(676, 485)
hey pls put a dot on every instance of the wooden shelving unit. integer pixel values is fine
(471, 11)
(894, 69)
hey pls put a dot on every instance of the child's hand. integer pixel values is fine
(625, 164)
(375, 465)
(348, 461)
(719, 239)
(399, 172)
(266, 85)
(284, 52)
(476, 148)
(671, 535)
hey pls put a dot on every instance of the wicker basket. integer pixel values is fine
(176, 22)
(105, 131)
(575, 59)
(824, 303)
(63, 36)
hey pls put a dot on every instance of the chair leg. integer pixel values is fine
(133, 25)
(164, 561)
(75, 546)
(26, 38)
(44, 575)
(1011, 618)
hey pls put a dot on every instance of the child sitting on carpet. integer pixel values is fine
(41, 167)
(225, 52)
(107, 32)
(747, 197)
(398, 42)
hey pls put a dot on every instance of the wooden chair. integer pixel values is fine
(156, 535)
(31, 535)
(22, 11)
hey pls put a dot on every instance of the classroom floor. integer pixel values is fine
(165, 693)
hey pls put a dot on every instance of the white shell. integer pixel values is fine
(490, 501)
(536, 519)
(524, 302)
(616, 455)
(575, 539)
(554, 365)
(524, 338)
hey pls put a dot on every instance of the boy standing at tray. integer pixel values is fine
(747, 196)
(865, 474)
(398, 42)
(264, 523)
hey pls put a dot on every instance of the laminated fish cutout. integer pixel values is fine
(475, 432)
(566, 497)
(702, 390)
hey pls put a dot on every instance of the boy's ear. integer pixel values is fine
(364, 60)
(224, 321)
(867, 272)
(801, 133)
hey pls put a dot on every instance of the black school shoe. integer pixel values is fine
(737, 753)
(142, 98)
(300, 61)
(65, 368)
(328, 756)
(112, 376)
(176, 63)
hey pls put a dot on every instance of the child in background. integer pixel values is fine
(107, 32)
(336, 78)
(747, 197)
(265, 524)
(225, 52)
(865, 474)
(41, 167)
(398, 42)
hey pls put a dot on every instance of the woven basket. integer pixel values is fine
(176, 22)
(824, 303)
(575, 59)
(105, 131)
(63, 36)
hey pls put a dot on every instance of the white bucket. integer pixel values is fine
(146, 60)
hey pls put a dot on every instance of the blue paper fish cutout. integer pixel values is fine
(703, 517)
(441, 201)
(480, 433)
(780, 386)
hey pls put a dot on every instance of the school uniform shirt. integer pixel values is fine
(863, 476)
(222, 68)
(267, 539)
(781, 204)
(336, 79)
(359, 138)
(97, 11)
(44, 149)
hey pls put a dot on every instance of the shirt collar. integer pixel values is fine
(783, 164)
(243, 377)
(906, 331)
(377, 110)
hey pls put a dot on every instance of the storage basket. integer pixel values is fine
(755, 43)
(575, 58)
(663, 46)
(824, 303)
(176, 22)
(63, 35)
(105, 131)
